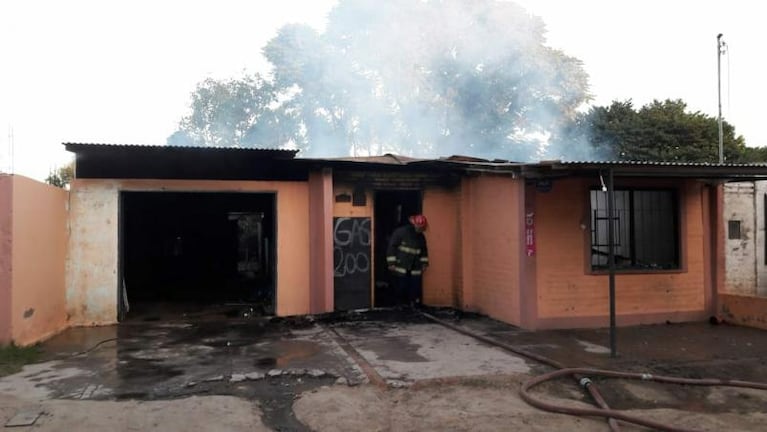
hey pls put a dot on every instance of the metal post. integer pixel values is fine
(719, 48)
(611, 257)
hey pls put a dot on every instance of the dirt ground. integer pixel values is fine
(481, 406)
(376, 371)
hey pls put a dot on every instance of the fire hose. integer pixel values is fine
(609, 413)
(581, 375)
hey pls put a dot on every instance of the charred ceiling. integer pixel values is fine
(194, 163)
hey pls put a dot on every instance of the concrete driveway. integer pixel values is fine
(321, 373)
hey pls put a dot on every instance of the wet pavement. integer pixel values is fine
(725, 351)
(272, 361)
(266, 360)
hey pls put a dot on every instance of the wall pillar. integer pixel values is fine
(321, 241)
(6, 246)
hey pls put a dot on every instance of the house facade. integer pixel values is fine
(527, 244)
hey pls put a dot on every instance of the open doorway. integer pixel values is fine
(392, 209)
(196, 253)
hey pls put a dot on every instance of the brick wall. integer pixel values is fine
(440, 284)
(491, 215)
(743, 310)
(569, 294)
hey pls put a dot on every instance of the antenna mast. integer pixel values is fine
(720, 49)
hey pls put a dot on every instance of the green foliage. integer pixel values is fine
(13, 358)
(422, 78)
(754, 154)
(61, 176)
(658, 131)
(231, 113)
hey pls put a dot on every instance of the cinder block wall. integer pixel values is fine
(569, 294)
(740, 207)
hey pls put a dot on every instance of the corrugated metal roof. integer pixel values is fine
(386, 159)
(125, 155)
(670, 169)
(75, 147)
(657, 163)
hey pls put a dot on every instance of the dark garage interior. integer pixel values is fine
(196, 251)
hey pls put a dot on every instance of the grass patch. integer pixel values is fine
(13, 358)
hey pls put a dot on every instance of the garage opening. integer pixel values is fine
(196, 253)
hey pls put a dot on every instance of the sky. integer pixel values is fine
(123, 71)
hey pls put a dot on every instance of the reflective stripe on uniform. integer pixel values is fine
(400, 270)
(416, 272)
(412, 251)
(391, 259)
(424, 259)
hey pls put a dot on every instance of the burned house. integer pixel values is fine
(162, 228)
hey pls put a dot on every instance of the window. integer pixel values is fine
(645, 230)
(733, 230)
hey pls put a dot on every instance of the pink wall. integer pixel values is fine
(6, 229)
(440, 281)
(292, 248)
(37, 263)
(570, 295)
(491, 218)
(321, 241)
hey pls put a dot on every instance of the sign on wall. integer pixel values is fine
(529, 233)
(352, 262)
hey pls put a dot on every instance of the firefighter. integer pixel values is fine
(407, 258)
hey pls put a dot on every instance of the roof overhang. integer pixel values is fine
(176, 162)
(703, 171)
(226, 163)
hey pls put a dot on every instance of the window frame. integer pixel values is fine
(678, 221)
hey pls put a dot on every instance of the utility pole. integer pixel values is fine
(611, 259)
(720, 47)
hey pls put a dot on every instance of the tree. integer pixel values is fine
(414, 77)
(234, 112)
(659, 131)
(61, 176)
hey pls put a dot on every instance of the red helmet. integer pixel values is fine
(419, 221)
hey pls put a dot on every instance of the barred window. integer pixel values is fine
(733, 230)
(645, 230)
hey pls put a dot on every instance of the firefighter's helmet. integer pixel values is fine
(419, 221)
